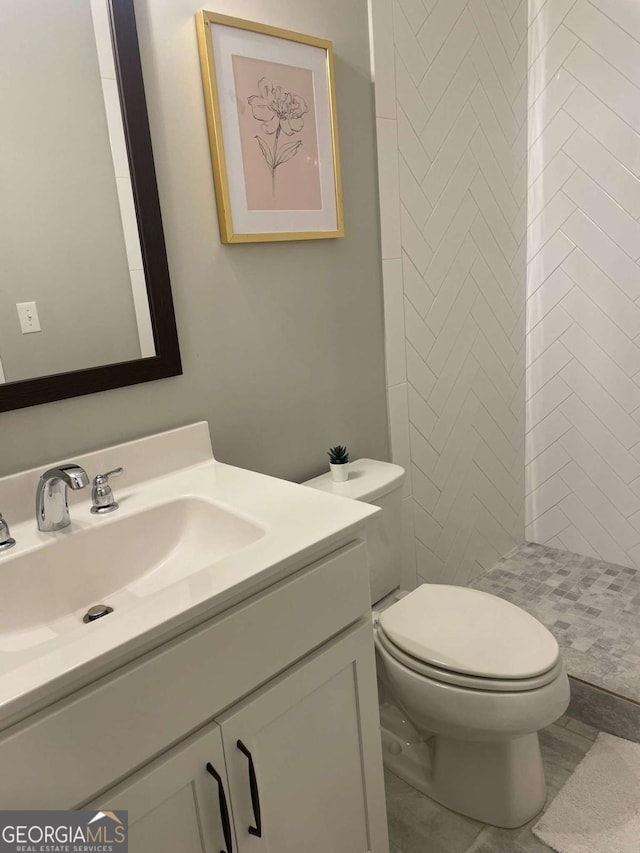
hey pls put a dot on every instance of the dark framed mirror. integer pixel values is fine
(29, 364)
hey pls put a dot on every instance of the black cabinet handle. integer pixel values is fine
(255, 796)
(224, 811)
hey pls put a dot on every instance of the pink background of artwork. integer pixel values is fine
(297, 182)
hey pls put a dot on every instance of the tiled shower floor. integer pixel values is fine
(593, 609)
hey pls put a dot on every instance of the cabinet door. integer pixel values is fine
(312, 737)
(174, 803)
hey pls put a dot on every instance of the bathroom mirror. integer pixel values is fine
(85, 296)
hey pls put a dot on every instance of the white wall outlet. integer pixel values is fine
(28, 316)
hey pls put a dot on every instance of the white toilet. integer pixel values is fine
(466, 679)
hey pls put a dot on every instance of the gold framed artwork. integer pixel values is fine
(273, 131)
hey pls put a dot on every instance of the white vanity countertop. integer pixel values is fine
(295, 525)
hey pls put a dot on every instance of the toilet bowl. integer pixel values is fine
(466, 679)
(476, 691)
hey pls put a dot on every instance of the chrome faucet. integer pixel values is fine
(52, 509)
(6, 540)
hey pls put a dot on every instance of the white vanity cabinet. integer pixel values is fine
(304, 735)
(289, 673)
(310, 753)
(174, 804)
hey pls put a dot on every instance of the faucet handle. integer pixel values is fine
(100, 479)
(6, 540)
(102, 494)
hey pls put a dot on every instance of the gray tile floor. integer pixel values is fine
(419, 825)
(591, 607)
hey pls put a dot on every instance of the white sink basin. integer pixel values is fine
(143, 553)
(192, 538)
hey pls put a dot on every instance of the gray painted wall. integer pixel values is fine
(282, 344)
(61, 241)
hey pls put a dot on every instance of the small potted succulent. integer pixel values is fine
(339, 463)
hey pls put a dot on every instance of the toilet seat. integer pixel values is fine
(451, 633)
(457, 679)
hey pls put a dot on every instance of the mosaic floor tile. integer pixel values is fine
(592, 608)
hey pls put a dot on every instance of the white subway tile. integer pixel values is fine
(394, 321)
(389, 188)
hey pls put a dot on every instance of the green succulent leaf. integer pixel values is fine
(338, 455)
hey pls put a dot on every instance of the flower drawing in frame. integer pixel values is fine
(272, 118)
(278, 112)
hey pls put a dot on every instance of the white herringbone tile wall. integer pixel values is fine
(451, 101)
(583, 287)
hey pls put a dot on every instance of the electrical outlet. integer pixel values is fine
(28, 316)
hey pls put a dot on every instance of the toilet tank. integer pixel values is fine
(378, 483)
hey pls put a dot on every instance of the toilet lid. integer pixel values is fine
(471, 632)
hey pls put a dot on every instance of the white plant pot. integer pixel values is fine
(339, 473)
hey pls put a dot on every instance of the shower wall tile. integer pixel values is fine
(399, 429)
(389, 187)
(389, 170)
(394, 321)
(583, 311)
(408, 575)
(382, 57)
(460, 76)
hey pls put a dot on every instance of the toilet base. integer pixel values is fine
(500, 783)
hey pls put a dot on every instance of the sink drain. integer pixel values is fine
(96, 612)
